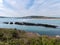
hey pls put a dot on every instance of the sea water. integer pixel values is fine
(38, 29)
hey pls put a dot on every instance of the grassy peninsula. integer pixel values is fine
(20, 37)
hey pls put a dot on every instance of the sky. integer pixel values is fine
(21, 8)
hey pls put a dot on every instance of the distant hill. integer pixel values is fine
(33, 17)
(38, 17)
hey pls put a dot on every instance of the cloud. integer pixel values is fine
(1, 1)
(19, 8)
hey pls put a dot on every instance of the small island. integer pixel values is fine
(21, 37)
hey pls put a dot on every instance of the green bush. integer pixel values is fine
(18, 37)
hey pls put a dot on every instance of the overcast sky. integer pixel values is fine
(19, 8)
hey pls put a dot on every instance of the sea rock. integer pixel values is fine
(31, 24)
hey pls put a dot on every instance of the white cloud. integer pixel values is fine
(1, 1)
(31, 7)
(12, 2)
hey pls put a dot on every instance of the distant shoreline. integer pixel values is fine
(33, 17)
(44, 18)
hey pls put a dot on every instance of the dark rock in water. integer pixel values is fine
(6, 22)
(11, 22)
(33, 24)
(18, 23)
(46, 25)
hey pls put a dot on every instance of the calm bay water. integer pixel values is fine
(37, 29)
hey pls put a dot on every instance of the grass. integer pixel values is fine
(19, 37)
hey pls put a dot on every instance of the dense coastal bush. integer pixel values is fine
(18, 37)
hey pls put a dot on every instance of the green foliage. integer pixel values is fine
(18, 37)
(57, 42)
(48, 40)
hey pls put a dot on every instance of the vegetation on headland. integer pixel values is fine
(20, 37)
